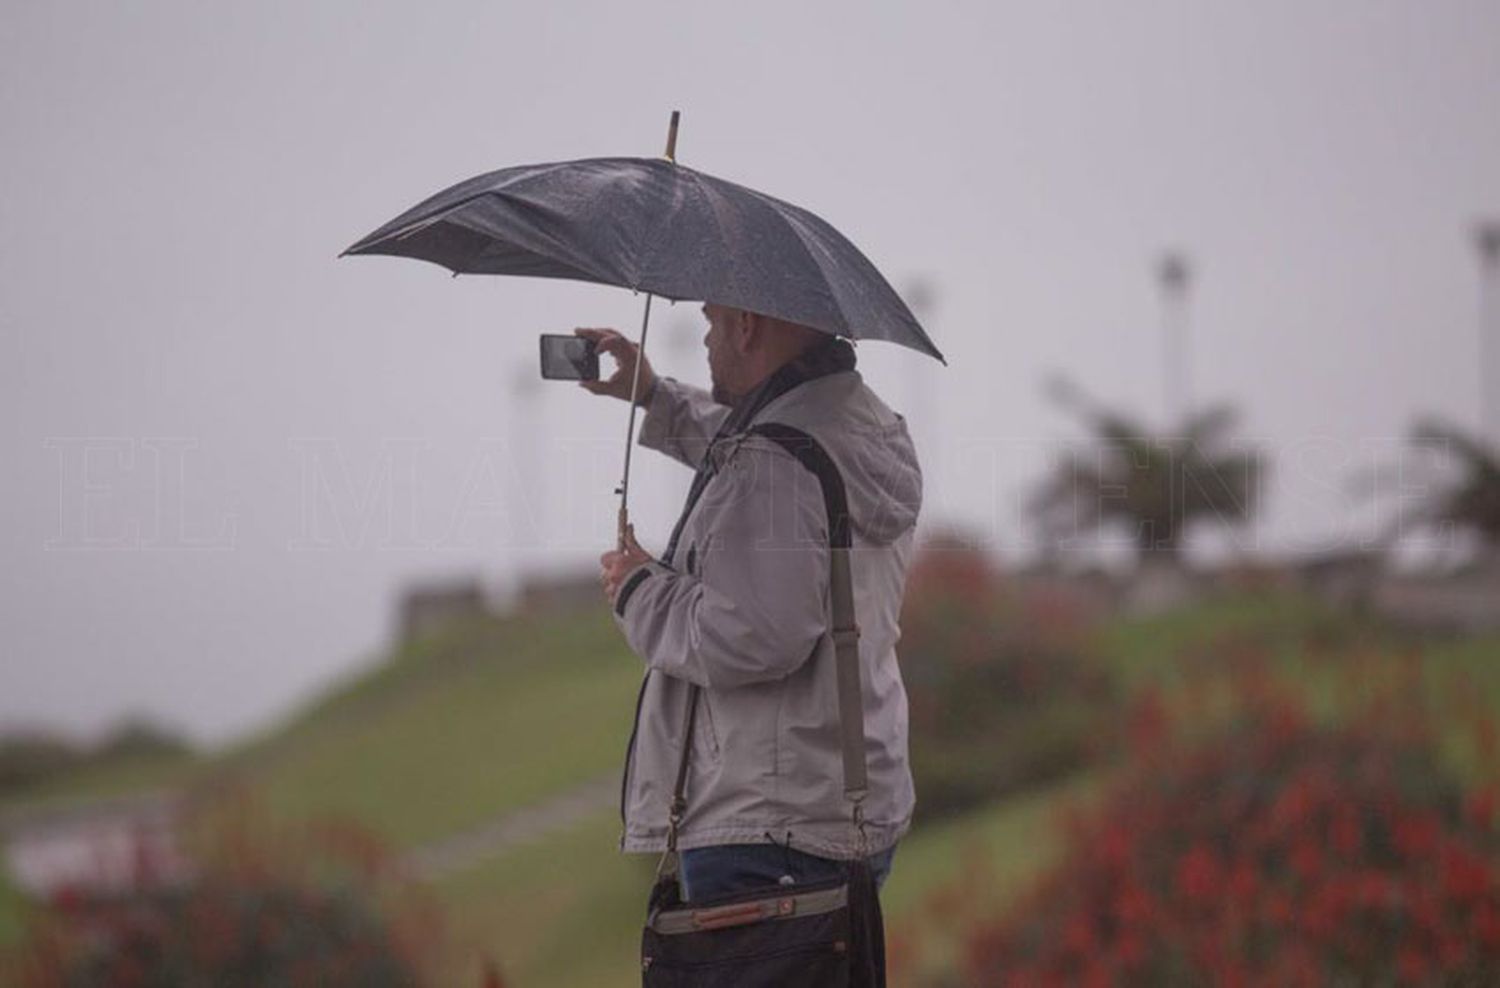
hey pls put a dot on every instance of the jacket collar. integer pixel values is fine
(828, 356)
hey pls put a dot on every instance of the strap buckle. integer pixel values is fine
(861, 839)
(842, 636)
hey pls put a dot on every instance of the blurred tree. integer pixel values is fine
(137, 737)
(27, 759)
(1470, 500)
(1154, 485)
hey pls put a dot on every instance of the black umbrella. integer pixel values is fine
(654, 226)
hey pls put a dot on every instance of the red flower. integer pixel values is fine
(1307, 859)
(1486, 925)
(1411, 962)
(1480, 807)
(1243, 881)
(1130, 950)
(1079, 937)
(1200, 876)
(1416, 834)
(1133, 906)
(1114, 846)
(1466, 876)
(1345, 834)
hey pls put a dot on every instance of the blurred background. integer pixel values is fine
(306, 671)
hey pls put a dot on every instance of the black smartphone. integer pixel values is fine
(569, 358)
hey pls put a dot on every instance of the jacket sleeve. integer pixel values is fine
(759, 604)
(681, 420)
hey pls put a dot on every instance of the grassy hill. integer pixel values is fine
(566, 912)
(499, 714)
(490, 717)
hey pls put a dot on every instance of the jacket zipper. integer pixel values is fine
(629, 753)
(635, 724)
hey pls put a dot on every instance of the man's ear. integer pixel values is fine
(745, 330)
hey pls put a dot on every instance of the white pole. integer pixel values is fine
(1487, 239)
(1174, 276)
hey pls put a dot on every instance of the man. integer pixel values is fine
(739, 605)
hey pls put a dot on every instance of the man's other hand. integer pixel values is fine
(625, 353)
(617, 564)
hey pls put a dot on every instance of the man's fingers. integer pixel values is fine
(604, 338)
(618, 347)
(607, 340)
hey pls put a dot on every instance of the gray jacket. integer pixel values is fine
(742, 609)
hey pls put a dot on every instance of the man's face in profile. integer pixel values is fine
(722, 360)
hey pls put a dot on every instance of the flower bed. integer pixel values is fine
(314, 906)
(1003, 694)
(1278, 852)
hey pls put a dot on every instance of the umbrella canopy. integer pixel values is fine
(652, 225)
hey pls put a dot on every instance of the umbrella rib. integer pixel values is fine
(734, 279)
(796, 212)
(793, 222)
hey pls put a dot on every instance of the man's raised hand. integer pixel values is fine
(617, 385)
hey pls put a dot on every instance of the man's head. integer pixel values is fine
(744, 348)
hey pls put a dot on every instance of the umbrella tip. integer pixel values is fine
(671, 154)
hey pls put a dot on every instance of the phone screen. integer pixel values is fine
(569, 358)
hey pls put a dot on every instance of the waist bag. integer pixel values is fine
(828, 934)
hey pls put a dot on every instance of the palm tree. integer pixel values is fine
(1154, 485)
(1462, 475)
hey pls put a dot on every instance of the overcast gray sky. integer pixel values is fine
(226, 451)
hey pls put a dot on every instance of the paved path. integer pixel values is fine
(460, 851)
(47, 849)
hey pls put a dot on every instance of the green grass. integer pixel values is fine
(991, 854)
(1165, 648)
(565, 911)
(490, 718)
(12, 912)
(1334, 662)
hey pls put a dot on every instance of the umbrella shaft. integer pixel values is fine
(635, 384)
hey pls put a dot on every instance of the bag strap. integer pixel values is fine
(811, 454)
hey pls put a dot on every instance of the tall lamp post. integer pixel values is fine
(1487, 239)
(1174, 277)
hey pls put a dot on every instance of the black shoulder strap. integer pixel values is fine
(811, 454)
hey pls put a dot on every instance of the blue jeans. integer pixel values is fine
(709, 872)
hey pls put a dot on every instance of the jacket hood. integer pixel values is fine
(870, 443)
